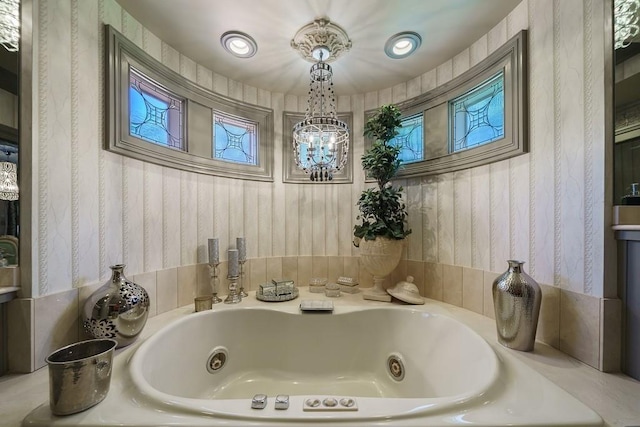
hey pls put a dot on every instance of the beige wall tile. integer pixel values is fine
(20, 335)
(487, 289)
(416, 269)
(56, 323)
(319, 267)
(203, 280)
(223, 271)
(473, 289)
(167, 289)
(365, 279)
(204, 285)
(397, 275)
(335, 268)
(352, 267)
(148, 282)
(186, 285)
(610, 334)
(305, 270)
(10, 276)
(85, 292)
(290, 270)
(549, 320)
(452, 284)
(580, 326)
(274, 268)
(433, 281)
(258, 274)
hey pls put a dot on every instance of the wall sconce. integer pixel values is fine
(10, 24)
(625, 22)
(8, 181)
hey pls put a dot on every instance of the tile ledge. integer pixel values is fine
(626, 215)
(625, 227)
(7, 293)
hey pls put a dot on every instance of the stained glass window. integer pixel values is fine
(477, 117)
(410, 139)
(155, 115)
(235, 139)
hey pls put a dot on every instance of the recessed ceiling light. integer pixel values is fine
(239, 44)
(402, 44)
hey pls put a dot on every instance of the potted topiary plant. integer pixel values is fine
(382, 229)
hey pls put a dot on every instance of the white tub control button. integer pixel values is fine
(282, 401)
(259, 401)
(330, 402)
(312, 403)
(347, 402)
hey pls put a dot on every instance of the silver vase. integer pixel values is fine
(117, 310)
(516, 299)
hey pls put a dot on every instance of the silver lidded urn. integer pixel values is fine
(117, 310)
(516, 300)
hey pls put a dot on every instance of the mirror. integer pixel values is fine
(627, 115)
(9, 210)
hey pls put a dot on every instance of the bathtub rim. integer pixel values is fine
(563, 398)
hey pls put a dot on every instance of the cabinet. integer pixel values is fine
(629, 293)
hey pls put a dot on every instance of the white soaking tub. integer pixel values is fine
(316, 356)
(363, 365)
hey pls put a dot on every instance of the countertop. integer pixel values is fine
(7, 293)
(625, 217)
(615, 397)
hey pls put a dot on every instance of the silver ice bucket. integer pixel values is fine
(79, 375)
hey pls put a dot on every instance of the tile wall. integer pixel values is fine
(567, 319)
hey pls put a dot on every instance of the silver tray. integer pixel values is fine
(279, 298)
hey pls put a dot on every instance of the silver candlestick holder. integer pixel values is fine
(234, 296)
(242, 291)
(214, 281)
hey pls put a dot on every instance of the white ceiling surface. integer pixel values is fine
(194, 27)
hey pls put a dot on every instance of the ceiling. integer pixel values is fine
(194, 27)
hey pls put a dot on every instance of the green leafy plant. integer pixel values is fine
(382, 211)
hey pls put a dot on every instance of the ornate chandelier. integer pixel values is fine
(321, 140)
(625, 18)
(10, 24)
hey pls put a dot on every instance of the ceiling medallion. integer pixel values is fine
(321, 32)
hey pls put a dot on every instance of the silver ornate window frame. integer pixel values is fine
(434, 105)
(122, 54)
(291, 173)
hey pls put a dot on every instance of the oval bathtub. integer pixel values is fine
(360, 354)
(202, 369)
